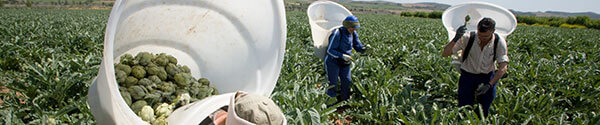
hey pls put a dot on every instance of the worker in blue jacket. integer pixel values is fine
(338, 57)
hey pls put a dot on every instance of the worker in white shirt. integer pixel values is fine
(482, 50)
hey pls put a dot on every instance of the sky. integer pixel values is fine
(527, 5)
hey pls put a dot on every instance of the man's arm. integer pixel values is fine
(448, 49)
(357, 45)
(457, 38)
(502, 69)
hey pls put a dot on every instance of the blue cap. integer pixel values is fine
(351, 18)
(351, 21)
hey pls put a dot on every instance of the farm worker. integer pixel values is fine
(338, 57)
(477, 77)
(247, 109)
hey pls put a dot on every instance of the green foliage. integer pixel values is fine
(56, 54)
(404, 80)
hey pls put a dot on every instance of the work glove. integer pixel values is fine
(460, 32)
(367, 47)
(347, 58)
(482, 89)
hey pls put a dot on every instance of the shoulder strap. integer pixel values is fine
(465, 53)
(495, 44)
(335, 32)
(340, 33)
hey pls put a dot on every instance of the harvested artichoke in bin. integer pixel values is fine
(153, 86)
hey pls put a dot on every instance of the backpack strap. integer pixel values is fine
(340, 33)
(465, 53)
(495, 45)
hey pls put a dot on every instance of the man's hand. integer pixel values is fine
(459, 32)
(347, 57)
(482, 89)
(367, 47)
(220, 118)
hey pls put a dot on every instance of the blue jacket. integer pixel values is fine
(344, 44)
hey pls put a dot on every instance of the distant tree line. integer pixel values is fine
(433, 14)
(568, 22)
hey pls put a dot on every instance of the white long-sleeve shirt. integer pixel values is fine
(480, 61)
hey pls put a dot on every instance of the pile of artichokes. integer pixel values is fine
(153, 86)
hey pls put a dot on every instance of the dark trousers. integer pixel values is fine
(467, 85)
(334, 71)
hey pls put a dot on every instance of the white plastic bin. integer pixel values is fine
(236, 44)
(324, 17)
(454, 17)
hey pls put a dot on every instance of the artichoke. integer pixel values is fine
(185, 99)
(144, 58)
(137, 106)
(467, 18)
(121, 76)
(203, 92)
(127, 97)
(163, 109)
(161, 120)
(130, 81)
(194, 92)
(152, 70)
(183, 79)
(161, 60)
(147, 114)
(145, 82)
(50, 121)
(204, 81)
(185, 69)
(138, 71)
(181, 91)
(214, 90)
(162, 74)
(167, 87)
(172, 98)
(172, 69)
(137, 92)
(172, 59)
(122, 89)
(153, 98)
(154, 79)
(195, 84)
(126, 59)
(123, 67)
